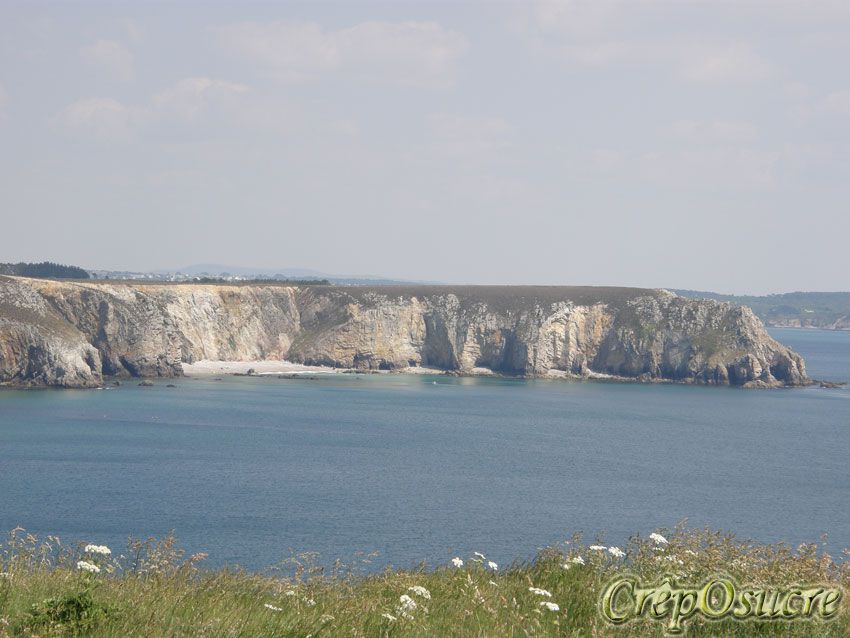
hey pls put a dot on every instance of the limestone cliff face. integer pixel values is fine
(70, 334)
(37, 346)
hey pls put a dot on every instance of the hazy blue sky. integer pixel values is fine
(680, 144)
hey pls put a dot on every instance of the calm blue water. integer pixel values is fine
(247, 469)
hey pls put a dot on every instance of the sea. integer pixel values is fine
(378, 470)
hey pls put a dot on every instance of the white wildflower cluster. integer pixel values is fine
(406, 605)
(479, 555)
(272, 607)
(86, 566)
(616, 552)
(492, 566)
(457, 562)
(658, 539)
(389, 617)
(597, 548)
(575, 560)
(406, 602)
(101, 550)
(419, 590)
(289, 592)
(545, 603)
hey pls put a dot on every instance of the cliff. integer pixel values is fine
(823, 310)
(72, 333)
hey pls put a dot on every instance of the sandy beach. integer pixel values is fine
(208, 368)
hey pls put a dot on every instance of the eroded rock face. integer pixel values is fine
(38, 347)
(71, 333)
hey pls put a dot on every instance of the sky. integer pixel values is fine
(701, 145)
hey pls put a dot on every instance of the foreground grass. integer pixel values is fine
(152, 590)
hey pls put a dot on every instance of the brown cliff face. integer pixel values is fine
(70, 334)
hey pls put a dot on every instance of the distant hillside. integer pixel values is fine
(44, 270)
(830, 310)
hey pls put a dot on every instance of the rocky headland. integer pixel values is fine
(72, 334)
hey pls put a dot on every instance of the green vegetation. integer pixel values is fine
(47, 589)
(798, 309)
(44, 270)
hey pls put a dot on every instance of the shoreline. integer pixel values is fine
(208, 367)
(260, 368)
(770, 325)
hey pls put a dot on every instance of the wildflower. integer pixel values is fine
(103, 550)
(419, 590)
(658, 538)
(567, 566)
(492, 566)
(86, 566)
(549, 606)
(540, 592)
(272, 607)
(480, 555)
(406, 603)
(310, 602)
(598, 548)
(457, 562)
(691, 552)
(289, 592)
(389, 617)
(616, 552)
(578, 560)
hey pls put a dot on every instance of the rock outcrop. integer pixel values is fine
(72, 333)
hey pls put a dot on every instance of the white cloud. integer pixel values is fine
(185, 101)
(577, 18)
(735, 62)
(465, 135)
(416, 53)
(607, 159)
(703, 62)
(111, 56)
(103, 117)
(191, 96)
(796, 90)
(602, 33)
(713, 166)
(838, 102)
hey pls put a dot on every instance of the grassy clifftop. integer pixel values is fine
(152, 590)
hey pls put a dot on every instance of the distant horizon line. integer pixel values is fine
(213, 270)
